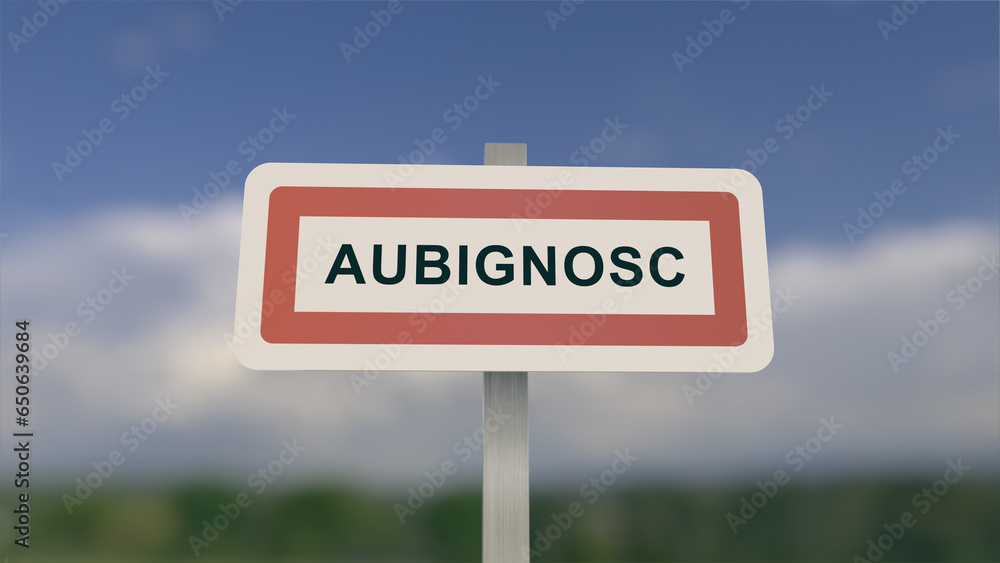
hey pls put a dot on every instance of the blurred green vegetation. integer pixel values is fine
(800, 523)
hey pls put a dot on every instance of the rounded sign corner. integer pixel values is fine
(761, 358)
(262, 168)
(262, 176)
(245, 357)
(742, 181)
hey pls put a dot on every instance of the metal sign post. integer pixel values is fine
(505, 452)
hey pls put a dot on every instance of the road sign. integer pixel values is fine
(367, 267)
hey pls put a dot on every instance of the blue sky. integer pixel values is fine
(851, 304)
(557, 86)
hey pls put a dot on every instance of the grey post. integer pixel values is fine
(505, 452)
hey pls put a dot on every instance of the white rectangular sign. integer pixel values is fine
(502, 268)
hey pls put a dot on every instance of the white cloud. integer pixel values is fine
(163, 336)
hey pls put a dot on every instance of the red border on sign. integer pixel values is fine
(283, 325)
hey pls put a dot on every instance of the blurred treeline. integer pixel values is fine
(801, 523)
